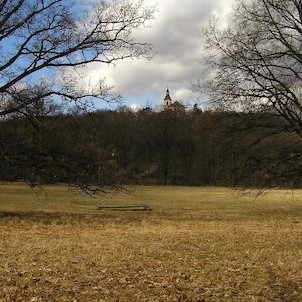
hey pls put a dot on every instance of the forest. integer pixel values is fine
(112, 147)
(255, 75)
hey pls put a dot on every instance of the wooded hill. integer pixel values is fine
(147, 147)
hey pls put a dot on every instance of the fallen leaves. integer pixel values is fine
(168, 261)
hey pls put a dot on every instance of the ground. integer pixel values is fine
(197, 244)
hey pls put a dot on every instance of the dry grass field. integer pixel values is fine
(197, 244)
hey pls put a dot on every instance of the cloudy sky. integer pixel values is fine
(176, 35)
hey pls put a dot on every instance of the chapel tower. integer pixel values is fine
(167, 100)
(170, 105)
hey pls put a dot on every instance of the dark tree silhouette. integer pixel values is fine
(256, 61)
(47, 38)
(43, 44)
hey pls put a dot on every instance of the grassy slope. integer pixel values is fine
(197, 244)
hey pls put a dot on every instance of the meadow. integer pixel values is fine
(197, 244)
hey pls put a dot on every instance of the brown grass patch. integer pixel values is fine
(196, 245)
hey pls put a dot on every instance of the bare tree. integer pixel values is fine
(45, 46)
(44, 39)
(256, 62)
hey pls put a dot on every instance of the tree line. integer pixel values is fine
(255, 75)
(112, 148)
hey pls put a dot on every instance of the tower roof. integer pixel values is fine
(167, 97)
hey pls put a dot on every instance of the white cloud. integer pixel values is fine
(176, 36)
(135, 107)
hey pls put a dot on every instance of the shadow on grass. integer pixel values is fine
(43, 217)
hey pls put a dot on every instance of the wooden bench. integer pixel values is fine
(126, 208)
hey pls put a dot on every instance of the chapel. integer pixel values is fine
(170, 105)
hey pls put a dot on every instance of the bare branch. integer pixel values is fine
(37, 37)
(257, 61)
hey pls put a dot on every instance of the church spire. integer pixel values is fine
(167, 94)
(167, 99)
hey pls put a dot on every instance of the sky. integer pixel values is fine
(176, 34)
